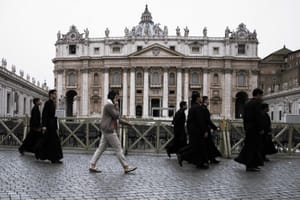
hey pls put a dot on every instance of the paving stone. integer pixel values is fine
(157, 177)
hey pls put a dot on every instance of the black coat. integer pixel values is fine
(49, 147)
(251, 153)
(34, 135)
(212, 149)
(268, 146)
(180, 138)
(197, 150)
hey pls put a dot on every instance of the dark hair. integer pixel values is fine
(264, 106)
(182, 103)
(36, 100)
(204, 98)
(112, 94)
(195, 95)
(257, 91)
(51, 92)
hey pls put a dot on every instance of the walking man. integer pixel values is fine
(108, 126)
(213, 152)
(253, 119)
(180, 139)
(50, 148)
(34, 133)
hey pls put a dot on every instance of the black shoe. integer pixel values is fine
(56, 162)
(21, 152)
(169, 155)
(179, 159)
(252, 169)
(214, 161)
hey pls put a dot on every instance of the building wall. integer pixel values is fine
(202, 58)
(17, 93)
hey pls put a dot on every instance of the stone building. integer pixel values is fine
(154, 70)
(17, 92)
(280, 78)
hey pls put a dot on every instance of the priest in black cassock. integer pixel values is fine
(34, 134)
(253, 119)
(213, 152)
(49, 148)
(180, 138)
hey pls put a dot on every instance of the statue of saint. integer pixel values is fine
(186, 32)
(58, 35)
(178, 31)
(205, 32)
(107, 32)
(87, 32)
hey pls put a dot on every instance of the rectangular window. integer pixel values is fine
(24, 106)
(96, 50)
(8, 103)
(138, 48)
(195, 49)
(139, 91)
(172, 48)
(72, 49)
(116, 49)
(280, 113)
(216, 50)
(241, 49)
(272, 115)
(171, 92)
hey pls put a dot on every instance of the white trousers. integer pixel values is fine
(113, 140)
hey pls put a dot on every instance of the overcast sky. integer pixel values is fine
(28, 28)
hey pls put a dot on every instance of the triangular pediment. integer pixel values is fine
(156, 50)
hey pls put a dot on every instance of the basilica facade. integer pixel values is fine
(154, 70)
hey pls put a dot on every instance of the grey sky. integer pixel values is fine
(29, 27)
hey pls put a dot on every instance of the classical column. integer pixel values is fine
(254, 79)
(186, 86)
(165, 93)
(85, 92)
(146, 94)
(227, 94)
(205, 82)
(132, 93)
(125, 89)
(59, 84)
(179, 87)
(105, 86)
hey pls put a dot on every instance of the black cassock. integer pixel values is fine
(251, 153)
(213, 152)
(49, 147)
(196, 151)
(180, 139)
(34, 134)
(268, 146)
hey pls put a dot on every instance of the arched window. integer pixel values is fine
(96, 79)
(172, 79)
(216, 79)
(116, 79)
(155, 78)
(195, 78)
(72, 79)
(139, 78)
(241, 80)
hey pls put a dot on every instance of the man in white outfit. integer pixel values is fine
(108, 127)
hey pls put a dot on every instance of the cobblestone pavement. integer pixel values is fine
(157, 177)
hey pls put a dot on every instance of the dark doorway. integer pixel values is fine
(155, 105)
(138, 111)
(240, 99)
(70, 99)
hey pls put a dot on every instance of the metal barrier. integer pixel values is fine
(146, 135)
